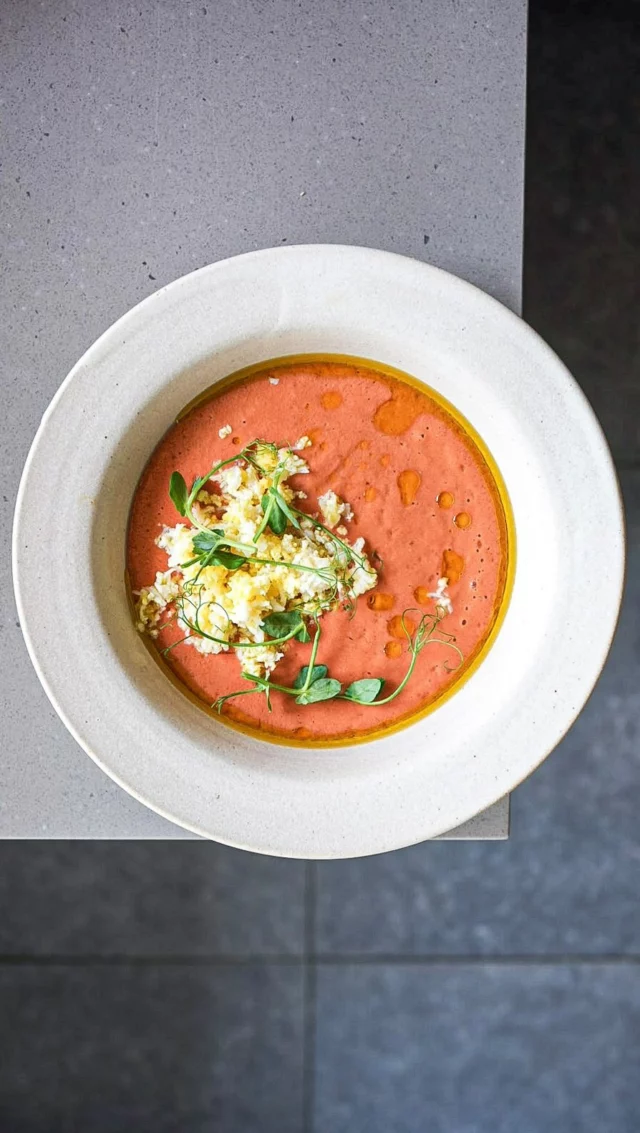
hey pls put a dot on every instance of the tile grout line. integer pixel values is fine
(476, 960)
(309, 999)
(312, 960)
(123, 960)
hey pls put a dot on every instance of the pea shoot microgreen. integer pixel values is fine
(214, 547)
(178, 492)
(315, 674)
(365, 690)
(313, 683)
(286, 622)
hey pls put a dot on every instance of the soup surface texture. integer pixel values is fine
(423, 497)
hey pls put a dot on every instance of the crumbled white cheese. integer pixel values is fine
(261, 662)
(177, 542)
(334, 509)
(231, 605)
(294, 465)
(440, 596)
(274, 381)
(341, 530)
(153, 600)
(225, 431)
(304, 442)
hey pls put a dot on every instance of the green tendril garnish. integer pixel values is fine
(213, 547)
(314, 683)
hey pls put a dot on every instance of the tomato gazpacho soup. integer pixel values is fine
(319, 550)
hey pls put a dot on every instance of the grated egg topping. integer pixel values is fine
(233, 603)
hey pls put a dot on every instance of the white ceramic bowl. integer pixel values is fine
(69, 549)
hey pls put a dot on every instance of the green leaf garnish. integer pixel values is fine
(276, 625)
(225, 559)
(277, 518)
(208, 544)
(364, 691)
(206, 541)
(317, 672)
(178, 492)
(324, 689)
(284, 508)
(282, 622)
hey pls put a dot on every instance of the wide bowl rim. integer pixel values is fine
(375, 259)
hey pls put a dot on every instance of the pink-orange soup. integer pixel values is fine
(424, 498)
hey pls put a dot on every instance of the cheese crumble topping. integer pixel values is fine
(231, 603)
(440, 596)
(334, 509)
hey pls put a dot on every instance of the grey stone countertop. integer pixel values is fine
(141, 142)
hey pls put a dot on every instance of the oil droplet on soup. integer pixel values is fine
(331, 399)
(445, 500)
(452, 566)
(462, 520)
(409, 483)
(422, 596)
(396, 627)
(379, 602)
(393, 649)
(370, 494)
(398, 414)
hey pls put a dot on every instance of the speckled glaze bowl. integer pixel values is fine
(96, 437)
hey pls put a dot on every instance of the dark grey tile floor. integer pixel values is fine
(454, 988)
